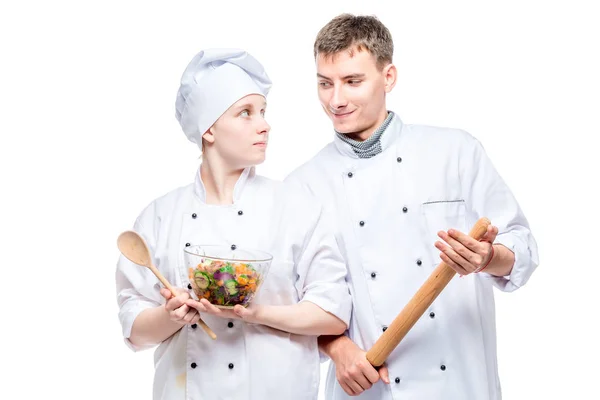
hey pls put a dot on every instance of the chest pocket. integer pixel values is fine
(441, 216)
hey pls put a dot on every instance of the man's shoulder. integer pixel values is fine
(439, 141)
(432, 132)
(316, 165)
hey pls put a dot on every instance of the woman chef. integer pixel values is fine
(268, 350)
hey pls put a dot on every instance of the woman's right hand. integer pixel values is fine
(179, 312)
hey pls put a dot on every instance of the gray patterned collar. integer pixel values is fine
(372, 146)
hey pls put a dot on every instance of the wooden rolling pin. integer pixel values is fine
(419, 303)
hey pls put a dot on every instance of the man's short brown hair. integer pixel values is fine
(347, 31)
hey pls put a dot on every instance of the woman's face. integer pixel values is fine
(241, 134)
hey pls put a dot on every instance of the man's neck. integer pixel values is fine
(219, 180)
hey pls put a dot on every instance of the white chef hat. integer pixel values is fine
(211, 83)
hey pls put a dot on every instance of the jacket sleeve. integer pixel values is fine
(320, 267)
(137, 288)
(487, 195)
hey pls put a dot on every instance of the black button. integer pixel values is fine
(399, 159)
(187, 245)
(193, 365)
(240, 212)
(189, 286)
(373, 274)
(233, 247)
(230, 366)
(432, 314)
(194, 326)
(194, 215)
(362, 223)
(384, 328)
(404, 209)
(443, 367)
(230, 324)
(350, 174)
(397, 380)
(419, 262)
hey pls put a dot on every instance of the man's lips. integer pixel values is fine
(341, 115)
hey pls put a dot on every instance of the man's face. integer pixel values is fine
(352, 91)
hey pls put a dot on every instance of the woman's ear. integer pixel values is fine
(208, 136)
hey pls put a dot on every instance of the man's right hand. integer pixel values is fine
(353, 371)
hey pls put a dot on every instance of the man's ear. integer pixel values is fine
(390, 74)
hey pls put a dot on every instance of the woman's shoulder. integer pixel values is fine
(165, 202)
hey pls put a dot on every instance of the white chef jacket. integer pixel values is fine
(246, 361)
(389, 209)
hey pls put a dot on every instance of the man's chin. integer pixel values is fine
(343, 127)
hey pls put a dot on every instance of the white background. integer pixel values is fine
(89, 137)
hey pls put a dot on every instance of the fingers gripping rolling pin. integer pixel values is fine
(420, 302)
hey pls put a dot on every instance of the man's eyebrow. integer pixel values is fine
(354, 76)
(351, 76)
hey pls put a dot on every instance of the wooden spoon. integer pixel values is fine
(135, 249)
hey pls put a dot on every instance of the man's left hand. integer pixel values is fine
(463, 253)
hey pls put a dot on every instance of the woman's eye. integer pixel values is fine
(245, 113)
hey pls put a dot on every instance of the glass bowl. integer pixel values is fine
(226, 277)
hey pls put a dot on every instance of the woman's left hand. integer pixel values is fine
(248, 314)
